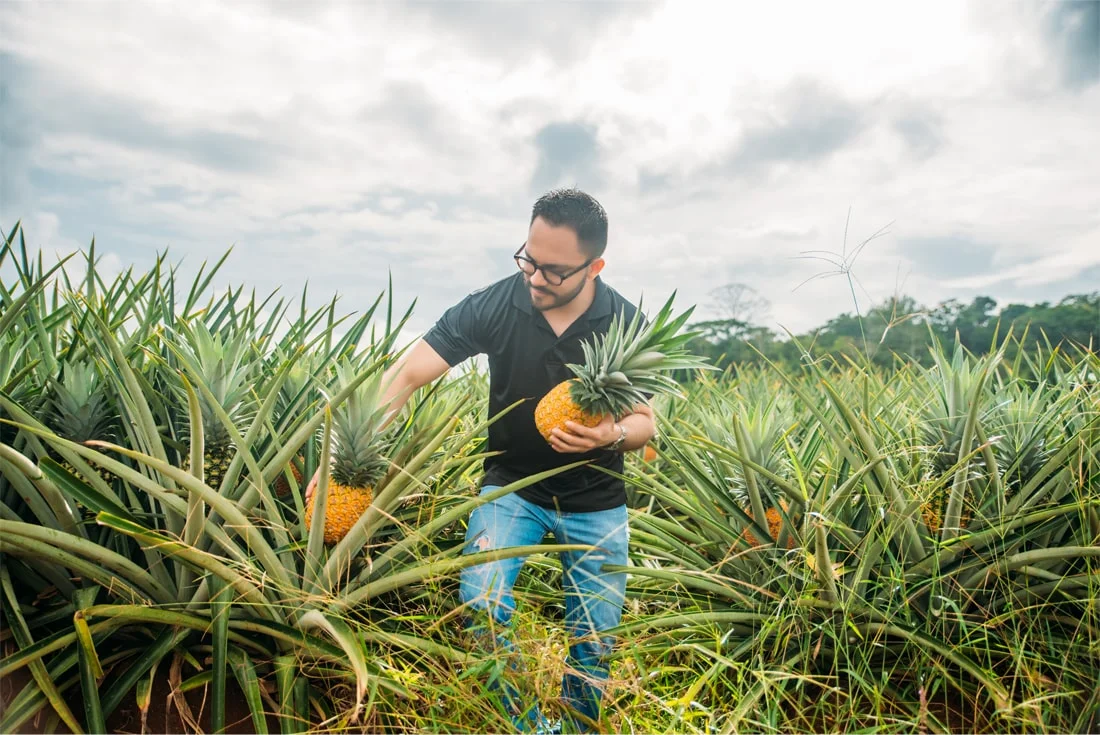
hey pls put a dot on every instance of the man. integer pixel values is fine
(530, 326)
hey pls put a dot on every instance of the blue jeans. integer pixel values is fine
(593, 598)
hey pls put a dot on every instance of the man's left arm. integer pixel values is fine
(639, 427)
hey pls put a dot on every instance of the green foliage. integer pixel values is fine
(859, 591)
(155, 561)
(900, 331)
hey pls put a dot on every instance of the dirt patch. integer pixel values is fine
(163, 715)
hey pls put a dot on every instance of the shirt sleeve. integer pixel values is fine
(463, 330)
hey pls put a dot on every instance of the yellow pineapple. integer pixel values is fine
(359, 455)
(620, 369)
(346, 505)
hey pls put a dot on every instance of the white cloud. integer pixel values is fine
(334, 143)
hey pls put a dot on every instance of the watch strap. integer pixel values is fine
(615, 445)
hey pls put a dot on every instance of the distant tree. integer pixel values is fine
(1073, 320)
(979, 312)
(975, 324)
(720, 331)
(723, 340)
(944, 317)
(739, 302)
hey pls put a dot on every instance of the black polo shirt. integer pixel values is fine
(526, 360)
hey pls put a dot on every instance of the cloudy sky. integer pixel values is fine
(336, 143)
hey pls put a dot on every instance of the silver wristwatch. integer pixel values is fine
(615, 445)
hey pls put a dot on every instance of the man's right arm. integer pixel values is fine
(421, 366)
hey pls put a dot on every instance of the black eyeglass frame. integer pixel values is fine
(552, 277)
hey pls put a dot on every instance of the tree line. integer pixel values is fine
(896, 330)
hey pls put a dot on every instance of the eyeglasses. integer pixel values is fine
(554, 278)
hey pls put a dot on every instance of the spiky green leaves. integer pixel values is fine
(79, 406)
(632, 362)
(222, 367)
(360, 446)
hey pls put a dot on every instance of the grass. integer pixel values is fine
(664, 684)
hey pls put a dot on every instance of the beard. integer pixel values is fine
(544, 300)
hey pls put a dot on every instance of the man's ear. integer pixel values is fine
(596, 266)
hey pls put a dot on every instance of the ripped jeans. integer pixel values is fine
(593, 598)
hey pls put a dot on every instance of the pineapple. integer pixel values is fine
(223, 364)
(282, 484)
(359, 455)
(79, 409)
(619, 370)
(775, 525)
(933, 510)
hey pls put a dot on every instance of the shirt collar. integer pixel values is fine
(601, 304)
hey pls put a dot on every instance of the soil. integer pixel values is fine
(163, 715)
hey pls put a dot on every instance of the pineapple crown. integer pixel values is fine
(301, 379)
(224, 365)
(360, 445)
(629, 363)
(80, 409)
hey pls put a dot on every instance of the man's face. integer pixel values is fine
(555, 249)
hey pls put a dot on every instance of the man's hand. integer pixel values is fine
(578, 439)
(312, 486)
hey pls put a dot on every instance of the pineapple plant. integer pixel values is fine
(297, 393)
(956, 387)
(755, 417)
(16, 362)
(79, 409)
(1026, 431)
(223, 363)
(620, 370)
(360, 449)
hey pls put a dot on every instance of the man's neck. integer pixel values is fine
(562, 316)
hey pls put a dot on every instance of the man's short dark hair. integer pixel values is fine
(578, 211)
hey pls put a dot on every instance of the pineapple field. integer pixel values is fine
(833, 548)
